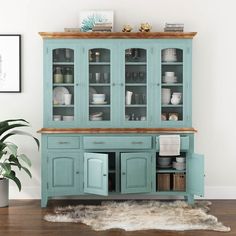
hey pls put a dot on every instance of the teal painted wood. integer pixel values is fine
(64, 172)
(116, 142)
(63, 142)
(96, 173)
(195, 172)
(135, 172)
(184, 143)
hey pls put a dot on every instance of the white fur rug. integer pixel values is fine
(140, 215)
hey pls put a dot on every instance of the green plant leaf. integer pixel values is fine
(27, 171)
(24, 158)
(12, 159)
(8, 127)
(12, 148)
(6, 167)
(12, 176)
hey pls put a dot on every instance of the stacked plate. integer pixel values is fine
(169, 55)
(169, 79)
(96, 116)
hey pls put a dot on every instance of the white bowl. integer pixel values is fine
(68, 118)
(95, 118)
(98, 98)
(179, 165)
(180, 159)
(164, 161)
(170, 73)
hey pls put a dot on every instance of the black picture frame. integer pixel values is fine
(10, 63)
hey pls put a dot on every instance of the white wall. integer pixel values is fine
(214, 82)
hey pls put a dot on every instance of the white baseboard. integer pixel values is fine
(218, 192)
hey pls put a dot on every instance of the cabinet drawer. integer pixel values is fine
(184, 143)
(63, 142)
(117, 142)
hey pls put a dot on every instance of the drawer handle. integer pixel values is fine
(104, 175)
(98, 142)
(123, 173)
(63, 142)
(136, 142)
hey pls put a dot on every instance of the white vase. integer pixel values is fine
(4, 192)
(128, 97)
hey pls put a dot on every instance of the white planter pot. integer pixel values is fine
(4, 192)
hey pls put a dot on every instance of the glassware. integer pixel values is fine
(67, 55)
(68, 77)
(97, 56)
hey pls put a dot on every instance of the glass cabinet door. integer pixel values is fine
(172, 86)
(99, 81)
(63, 86)
(135, 92)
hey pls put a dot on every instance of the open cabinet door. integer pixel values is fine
(96, 173)
(196, 175)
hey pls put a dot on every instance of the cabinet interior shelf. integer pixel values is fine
(136, 105)
(172, 85)
(99, 63)
(63, 84)
(135, 84)
(63, 63)
(170, 105)
(135, 63)
(99, 105)
(63, 105)
(170, 171)
(172, 63)
(99, 84)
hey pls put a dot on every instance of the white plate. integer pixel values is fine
(99, 103)
(91, 92)
(58, 95)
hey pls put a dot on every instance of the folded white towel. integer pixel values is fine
(169, 145)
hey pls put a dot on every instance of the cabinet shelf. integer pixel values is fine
(99, 84)
(172, 63)
(170, 105)
(99, 63)
(63, 63)
(63, 84)
(135, 63)
(64, 106)
(172, 85)
(136, 105)
(170, 171)
(136, 84)
(98, 105)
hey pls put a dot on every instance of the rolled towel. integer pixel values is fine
(169, 145)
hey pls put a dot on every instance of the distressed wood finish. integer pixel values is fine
(115, 130)
(117, 35)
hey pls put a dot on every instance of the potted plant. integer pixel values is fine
(10, 159)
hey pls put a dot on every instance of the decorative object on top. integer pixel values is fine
(145, 27)
(174, 27)
(72, 29)
(96, 21)
(10, 157)
(127, 28)
(10, 63)
(160, 215)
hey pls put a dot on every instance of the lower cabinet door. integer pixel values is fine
(64, 175)
(96, 173)
(195, 178)
(135, 172)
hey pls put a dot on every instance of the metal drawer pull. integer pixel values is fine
(136, 142)
(98, 142)
(63, 142)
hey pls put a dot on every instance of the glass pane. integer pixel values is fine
(99, 84)
(63, 84)
(135, 84)
(172, 85)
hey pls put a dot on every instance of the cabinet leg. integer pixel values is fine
(190, 199)
(44, 201)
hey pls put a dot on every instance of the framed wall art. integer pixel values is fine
(10, 63)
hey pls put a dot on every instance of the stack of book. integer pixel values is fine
(104, 27)
(174, 27)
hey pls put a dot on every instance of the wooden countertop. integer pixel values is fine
(115, 130)
(117, 35)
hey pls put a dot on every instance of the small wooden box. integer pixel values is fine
(163, 182)
(179, 182)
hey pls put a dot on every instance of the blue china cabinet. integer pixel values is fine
(107, 99)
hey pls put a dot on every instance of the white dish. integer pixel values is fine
(95, 118)
(58, 95)
(99, 103)
(96, 114)
(91, 92)
(68, 118)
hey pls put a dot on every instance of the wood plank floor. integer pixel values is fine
(25, 218)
